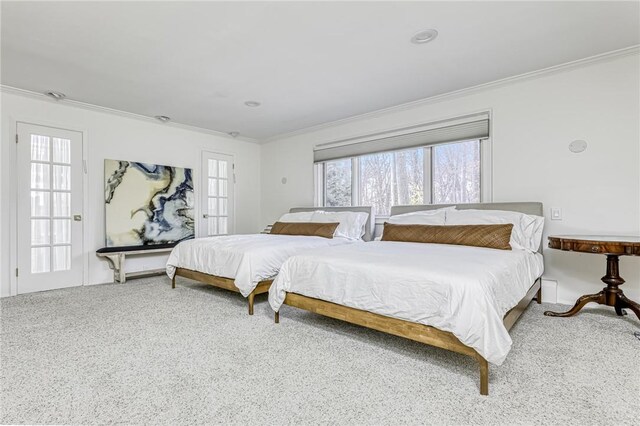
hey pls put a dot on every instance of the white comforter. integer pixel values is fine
(463, 290)
(248, 259)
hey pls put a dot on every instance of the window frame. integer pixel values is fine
(486, 183)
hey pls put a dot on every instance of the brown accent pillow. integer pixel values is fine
(490, 236)
(311, 229)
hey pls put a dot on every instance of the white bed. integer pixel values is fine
(460, 298)
(462, 290)
(247, 259)
(247, 263)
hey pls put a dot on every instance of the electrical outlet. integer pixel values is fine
(556, 213)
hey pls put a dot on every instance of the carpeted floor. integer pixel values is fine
(142, 353)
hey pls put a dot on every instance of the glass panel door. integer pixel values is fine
(217, 200)
(49, 193)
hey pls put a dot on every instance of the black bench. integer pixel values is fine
(116, 257)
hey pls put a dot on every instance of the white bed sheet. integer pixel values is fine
(463, 290)
(247, 259)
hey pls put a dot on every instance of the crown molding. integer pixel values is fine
(92, 107)
(603, 57)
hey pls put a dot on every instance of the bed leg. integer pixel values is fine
(539, 294)
(173, 281)
(484, 376)
(251, 297)
(277, 317)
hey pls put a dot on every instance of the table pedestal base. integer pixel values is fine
(611, 295)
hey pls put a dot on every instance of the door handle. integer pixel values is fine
(77, 217)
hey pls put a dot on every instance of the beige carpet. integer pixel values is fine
(141, 353)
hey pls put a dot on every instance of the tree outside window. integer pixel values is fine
(391, 178)
(338, 183)
(398, 177)
(456, 173)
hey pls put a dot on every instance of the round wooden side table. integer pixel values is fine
(611, 246)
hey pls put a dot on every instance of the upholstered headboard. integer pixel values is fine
(533, 208)
(368, 231)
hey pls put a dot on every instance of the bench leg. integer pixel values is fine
(116, 262)
(119, 270)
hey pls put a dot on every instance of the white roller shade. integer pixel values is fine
(475, 128)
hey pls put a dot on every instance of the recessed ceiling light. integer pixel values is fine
(252, 104)
(163, 118)
(56, 95)
(424, 36)
(234, 134)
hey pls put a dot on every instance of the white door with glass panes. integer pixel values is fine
(49, 192)
(217, 195)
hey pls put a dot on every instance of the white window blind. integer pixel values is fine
(473, 127)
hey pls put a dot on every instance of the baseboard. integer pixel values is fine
(549, 291)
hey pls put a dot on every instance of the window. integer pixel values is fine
(338, 183)
(391, 178)
(456, 173)
(50, 204)
(438, 174)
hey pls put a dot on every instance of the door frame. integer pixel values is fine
(13, 194)
(204, 173)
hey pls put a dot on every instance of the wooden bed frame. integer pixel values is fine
(419, 332)
(263, 286)
(411, 330)
(221, 282)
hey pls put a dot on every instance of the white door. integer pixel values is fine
(49, 166)
(218, 179)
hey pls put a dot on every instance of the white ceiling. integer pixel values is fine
(307, 62)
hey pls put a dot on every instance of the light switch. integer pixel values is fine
(556, 213)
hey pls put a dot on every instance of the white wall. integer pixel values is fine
(534, 120)
(118, 137)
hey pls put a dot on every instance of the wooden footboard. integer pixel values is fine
(221, 282)
(409, 330)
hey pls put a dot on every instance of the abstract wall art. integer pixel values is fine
(147, 204)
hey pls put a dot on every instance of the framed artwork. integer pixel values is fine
(147, 204)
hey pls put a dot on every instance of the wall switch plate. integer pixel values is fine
(556, 213)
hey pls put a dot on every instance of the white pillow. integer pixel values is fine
(351, 223)
(296, 217)
(437, 218)
(527, 229)
(423, 217)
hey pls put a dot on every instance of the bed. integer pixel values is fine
(246, 264)
(459, 298)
